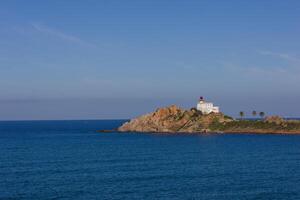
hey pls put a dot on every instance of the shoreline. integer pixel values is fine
(174, 120)
(206, 133)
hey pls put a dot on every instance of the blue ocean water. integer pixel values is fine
(69, 160)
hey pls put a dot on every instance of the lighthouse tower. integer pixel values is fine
(206, 107)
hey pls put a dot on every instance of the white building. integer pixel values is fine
(206, 107)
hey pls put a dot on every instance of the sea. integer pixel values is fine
(70, 160)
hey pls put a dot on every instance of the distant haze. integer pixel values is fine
(119, 59)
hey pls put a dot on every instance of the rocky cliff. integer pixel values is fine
(173, 120)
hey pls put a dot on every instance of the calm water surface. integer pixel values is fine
(69, 160)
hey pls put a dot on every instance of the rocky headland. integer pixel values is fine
(173, 119)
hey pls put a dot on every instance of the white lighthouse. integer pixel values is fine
(207, 107)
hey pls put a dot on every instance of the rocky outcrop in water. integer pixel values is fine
(173, 120)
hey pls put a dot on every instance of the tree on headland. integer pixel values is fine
(242, 114)
(254, 113)
(261, 114)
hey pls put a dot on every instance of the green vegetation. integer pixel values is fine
(216, 125)
(253, 125)
(242, 114)
(262, 114)
(254, 113)
(249, 124)
(228, 117)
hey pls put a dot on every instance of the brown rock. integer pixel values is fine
(274, 119)
(172, 119)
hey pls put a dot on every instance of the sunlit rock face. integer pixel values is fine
(172, 119)
(274, 119)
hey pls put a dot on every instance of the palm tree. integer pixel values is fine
(261, 114)
(254, 113)
(242, 114)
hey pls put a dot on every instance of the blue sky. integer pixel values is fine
(118, 59)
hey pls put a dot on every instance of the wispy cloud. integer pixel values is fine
(284, 56)
(60, 34)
